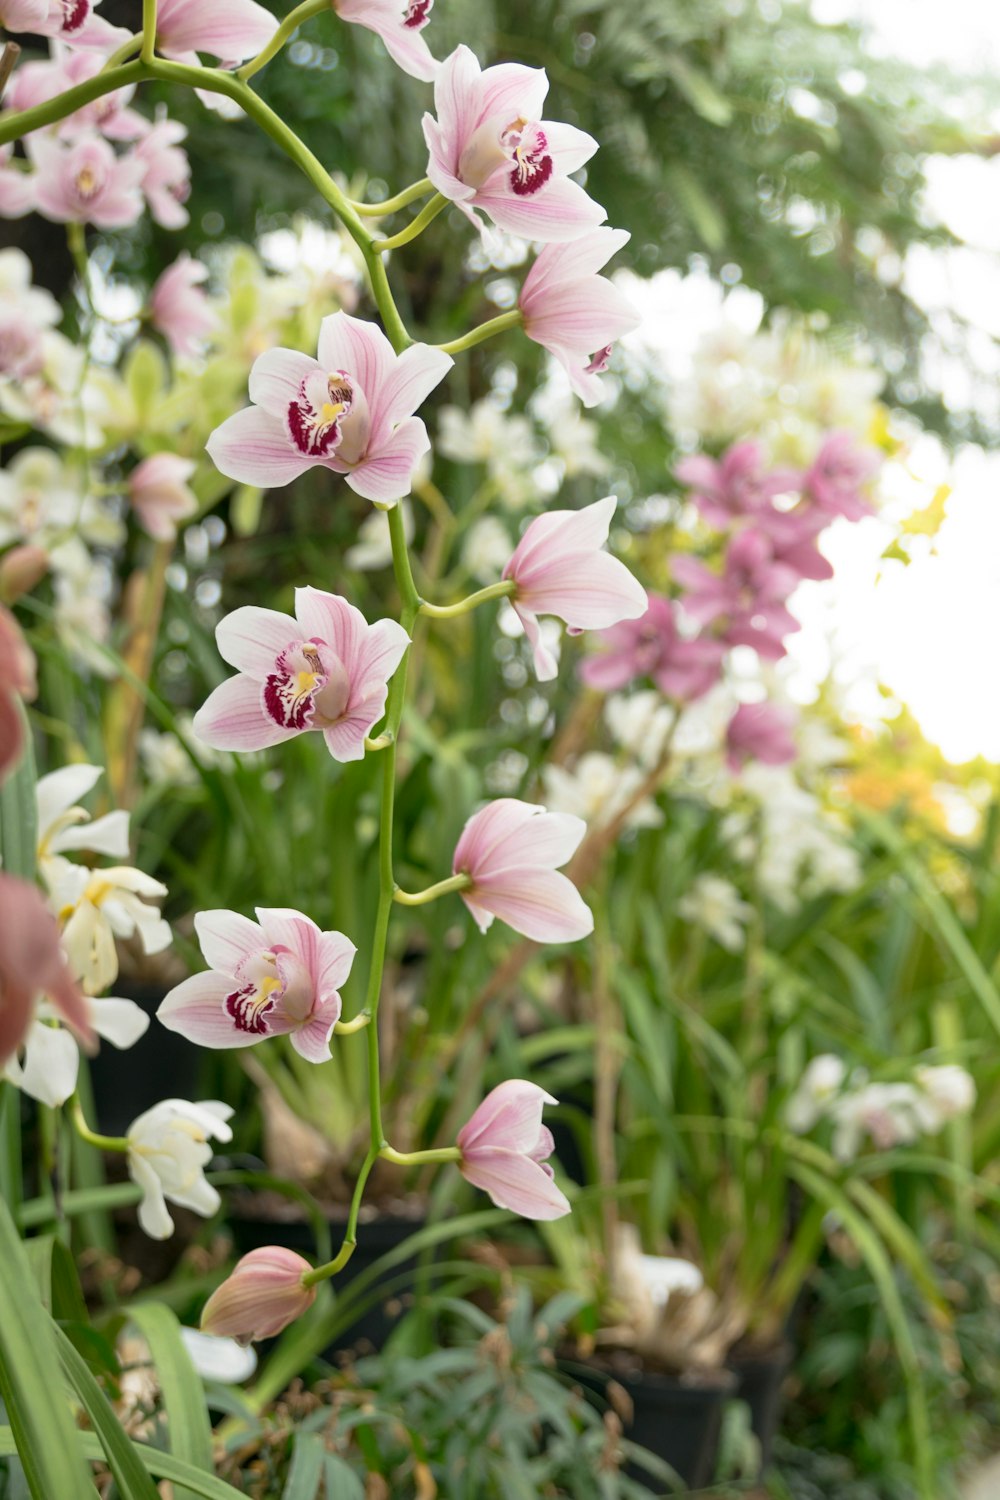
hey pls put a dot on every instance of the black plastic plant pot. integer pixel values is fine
(161, 1065)
(676, 1418)
(761, 1380)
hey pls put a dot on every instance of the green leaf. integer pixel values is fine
(55, 1274)
(699, 91)
(341, 1481)
(306, 1472)
(18, 814)
(188, 1424)
(705, 218)
(42, 1431)
(131, 1475)
(161, 1465)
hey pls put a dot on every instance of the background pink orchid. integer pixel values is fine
(159, 494)
(32, 963)
(504, 1148)
(85, 182)
(651, 646)
(178, 307)
(512, 850)
(761, 731)
(736, 486)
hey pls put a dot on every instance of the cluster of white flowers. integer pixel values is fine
(598, 788)
(799, 848)
(886, 1113)
(714, 904)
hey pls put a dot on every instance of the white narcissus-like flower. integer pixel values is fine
(40, 504)
(63, 825)
(890, 1114)
(47, 1064)
(168, 1152)
(715, 904)
(819, 1085)
(98, 906)
(951, 1090)
(596, 789)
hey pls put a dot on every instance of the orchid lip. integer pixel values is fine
(314, 418)
(418, 13)
(308, 689)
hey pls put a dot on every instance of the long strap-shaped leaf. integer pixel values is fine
(161, 1465)
(130, 1473)
(188, 1423)
(42, 1430)
(306, 1472)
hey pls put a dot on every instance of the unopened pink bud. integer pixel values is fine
(20, 570)
(262, 1296)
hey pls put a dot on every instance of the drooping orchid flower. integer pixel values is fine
(281, 977)
(350, 410)
(168, 1152)
(652, 646)
(262, 1295)
(573, 312)
(179, 308)
(560, 568)
(399, 23)
(491, 150)
(504, 1148)
(327, 669)
(159, 493)
(511, 851)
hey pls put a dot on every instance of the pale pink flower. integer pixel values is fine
(230, 30)
(839, 475)
(327, 669)
(159, 493)
(350, 410)
(179, 308)
(504, 1148)
(792, 535)
(761, 731)
(17, 188)
(652, 646)
(23, 15)
(490, 150)
(276, 979)
(512, 851)
(560, 568)
(22, 345)
(17, 680)
(575, 313)
(32, 962)
(85, 182)
(736, 486)
(399, 24)
(262, 1296)
(166, 178)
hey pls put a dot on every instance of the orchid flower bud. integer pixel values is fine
(261, 1297)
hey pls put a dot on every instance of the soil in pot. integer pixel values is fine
(676, 1417)
(761, 1377)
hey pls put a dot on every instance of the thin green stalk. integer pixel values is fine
(442, 888)
(417, 1158)
(393, 205)
(426, 216)
(21, 122)
(501, 590)
(148, 48)
(348, 1028)
(500, 324)
(285, 31)
(343, 1255)
(83, 1130)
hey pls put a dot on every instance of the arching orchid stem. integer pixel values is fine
(343, 1255)
(393, 205)
(284, 33)
(348, 1028)
(426, 216)
(501, 590)
(488, 330)
(83, 1130)
(148, 45)
(123, 53)
(442, 888)
(382, 742)
(419, 1158)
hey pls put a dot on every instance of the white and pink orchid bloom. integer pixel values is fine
(573, 312)
(491, 150)
(279, 976)
(561, 569)
(84, 182)
(399, 24)
(511, 851)
(71, 21)
(166, 179)
(326, 669)
(160, 495)
(231, 30)
(178, 307)
(505, 1148)
(350, 410)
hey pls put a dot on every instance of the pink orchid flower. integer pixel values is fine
(70, 21)
(32, 962)
(490, 150)
(748, 597)
(17, 680)
(17, 188)
(22, 347)
(166, 179)
(399, 24)
(262, 1295)
(512, 851)
(504, 1148)
(572, 311)
(737, 485)
(792, 535)
(652, 646)
(231, 30)
(159, 494)
(327, 669)
(560, 568)
(85, 182)
(23, 15)
(281, 978)
(179, 308)
(761, 731)
(838, 475)
(350, 410)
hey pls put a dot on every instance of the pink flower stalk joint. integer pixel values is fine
(278, 976)
(262, 1296)
(511, 851)
(505, 1149)
(327, 669)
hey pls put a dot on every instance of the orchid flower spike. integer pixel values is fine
(511, 852)
(261, 1297)
(490, 150)
(504, 1148)
(399, 24)
(327, 669)
(281, 977)
(350, 410)
(560, 568)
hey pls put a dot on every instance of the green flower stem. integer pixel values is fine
(19, 123)
(343, 1255)
(285, 31)
(426, 216)
(381, 743)
(418, 1158)
(348, 1028)
(443, 888)
(83, 1130)
(123, 53)
(500, 324)
(502, 590)
(148, 44)
(393, 205)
